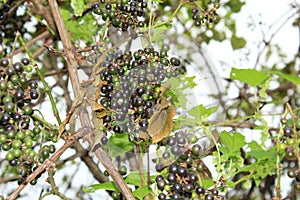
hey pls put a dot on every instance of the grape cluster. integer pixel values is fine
(207, 16)
(131, 86)
(4, 8)
(124, 13)
(289, 144)
(182, 178)
(19, 131)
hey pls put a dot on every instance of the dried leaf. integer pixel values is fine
(161, 122)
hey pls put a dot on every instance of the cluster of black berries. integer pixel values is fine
(19, 131)
(207, 16)
(182, 179)
(124, 13)
(290, 145)
(131, 86)
(4, 8)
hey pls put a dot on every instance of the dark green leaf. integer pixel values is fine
(249, 76)
(235, 5)
(119, 144)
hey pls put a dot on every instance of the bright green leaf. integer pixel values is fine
(134, 178)
(207, 183)
(191, 81)
(200, 112)
(78, 6)
(141, 192)
(105, 186)
(288, 77)
(237, 42)
(233, 141)
(249, 76)
(119, 144)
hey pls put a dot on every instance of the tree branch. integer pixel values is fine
(84, 118)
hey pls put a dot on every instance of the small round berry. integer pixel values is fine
(25, 61)
(18, 67)
(123, 170)
(34, 94)
(4, 62)
(200, 190)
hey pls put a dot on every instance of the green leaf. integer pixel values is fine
(190, 81)
(200, 112)
(233, 141)
(141, 192)
(77, 28)
(237, 42)
(105, 186)
(207, 183)
(288, 77)
(235, 5)
(119, 144)
(159, 33)
(78, 6)
(134, 178)
(249, 76)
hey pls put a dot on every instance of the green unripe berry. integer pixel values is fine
(16, 144)
(17, 153)
(20, 135)
(52, 148)
(3, 139)
(27, 110)
(36, 130)
(123, 170)
(28, 142)
(33, 182)
(45, 153)
(9, 156)
(5, 147)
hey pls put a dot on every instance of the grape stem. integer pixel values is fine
(48, 91)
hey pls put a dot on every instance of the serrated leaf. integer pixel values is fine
(79, 7)
(105, 186)
(237, 42)
(249, 76)
(119, 144)
(200, 112)
(141, 192)
(233, 141)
